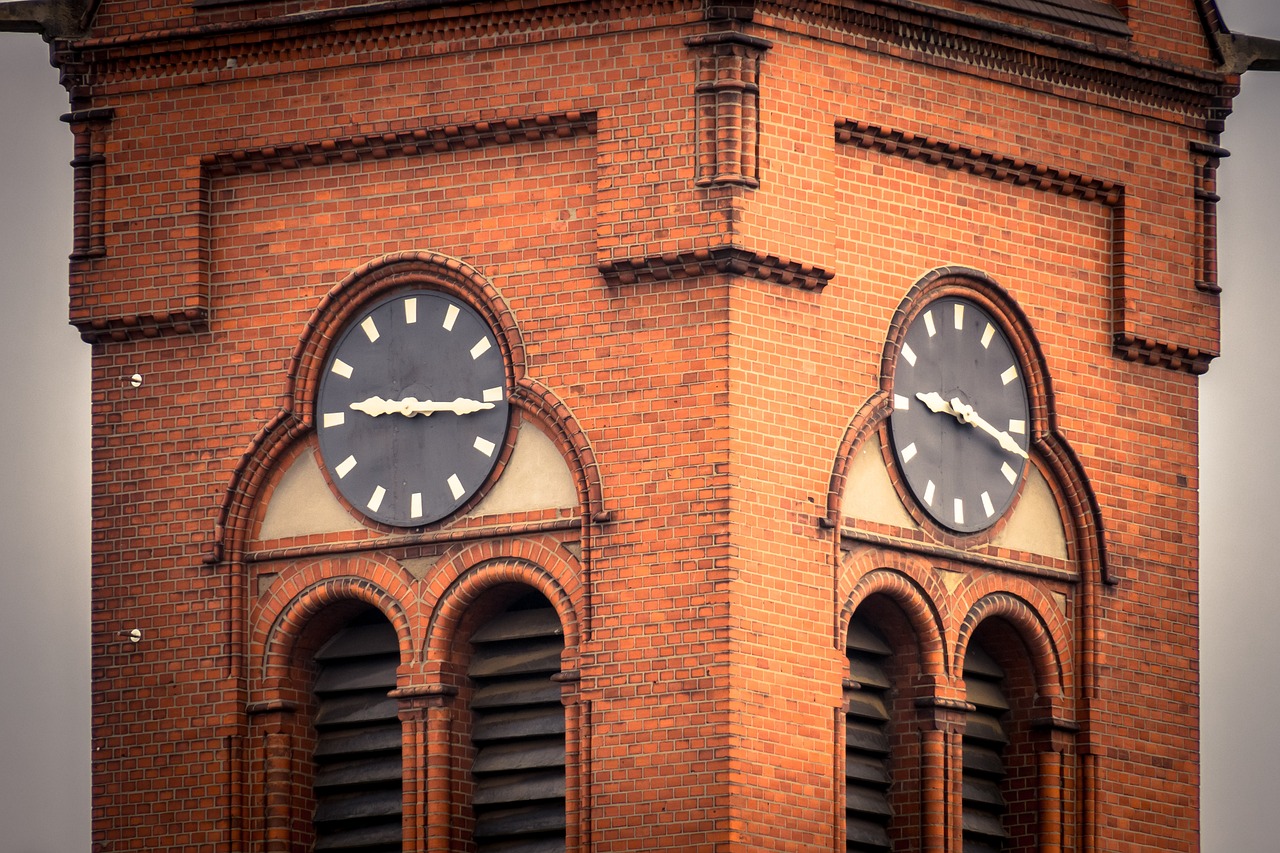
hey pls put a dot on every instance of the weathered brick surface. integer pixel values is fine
(700, 234)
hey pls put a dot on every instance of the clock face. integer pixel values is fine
(412, 410)
(960, 419)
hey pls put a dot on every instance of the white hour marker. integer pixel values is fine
(959, 508)
(341, 368)
(411, 310)
(455, 486)
(481, 347)
(484, 446)
(909, 452)
(376, 500)
(909, 354)
(345, 466)
(987, 334)
(928, 323)
(929, 489)
(1010, 374)
(1009, 474)
(370, 329)
(415, 505)
(450, 317)
(901, 403)
(333, 419)
(1017, 426)
(492, 395)
(986, 505)
(959, 315)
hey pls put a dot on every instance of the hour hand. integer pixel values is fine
(411, 406)
(967, 415)
(936, 403)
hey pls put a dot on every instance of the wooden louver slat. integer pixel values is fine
(867, 809)
(358, 742)
(518, 731)
(984, 742)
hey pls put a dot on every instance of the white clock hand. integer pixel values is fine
(411, 406)
(936, 403)
(967, 415)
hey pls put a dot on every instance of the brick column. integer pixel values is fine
(272, 723)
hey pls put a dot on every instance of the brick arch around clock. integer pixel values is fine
(280, 439)
(1051, 451)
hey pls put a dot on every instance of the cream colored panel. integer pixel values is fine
(1036, 526)
(302, 504)
(536, 477)
(868, 492)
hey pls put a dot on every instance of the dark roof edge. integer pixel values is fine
(1237, 53)
(51, 18)
(1249, 53)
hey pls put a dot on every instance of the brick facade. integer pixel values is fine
(698, 233)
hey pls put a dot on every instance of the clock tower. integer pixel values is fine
(594, 426)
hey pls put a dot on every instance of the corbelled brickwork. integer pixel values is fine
(698, 233)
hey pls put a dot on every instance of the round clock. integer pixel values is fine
(412, 409)
(959, 425)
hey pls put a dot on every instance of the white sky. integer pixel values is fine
(44, 498)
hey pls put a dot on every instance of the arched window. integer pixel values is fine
(358, 741)
(867, 750)
(1001, 808)
(882, 749)
(985, 740)
(518, 730)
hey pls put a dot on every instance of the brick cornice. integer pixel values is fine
(183, 321)
(1165, 354)
(714, 260)
(988, 164)
(365, 33)
(407, 142)
(1106, 68)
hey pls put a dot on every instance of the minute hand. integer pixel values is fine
(966, 415)
(411, 406)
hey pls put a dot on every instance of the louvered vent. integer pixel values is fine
(866, 758)
(518, 732)
(358, 767)
(984, 743)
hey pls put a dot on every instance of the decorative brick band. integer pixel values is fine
(381, 31)
(987, 164)
(408, 143)
(960, 41)
(1168, 355)
(99, 330)
(729, 260)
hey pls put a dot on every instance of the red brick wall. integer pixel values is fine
(699, 304)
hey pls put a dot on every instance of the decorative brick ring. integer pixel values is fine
(472, 583)
(1036, 634)
(383, 275)
(296, 615)
(917, 605)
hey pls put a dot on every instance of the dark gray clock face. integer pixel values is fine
(960, 420)
(412, 410)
